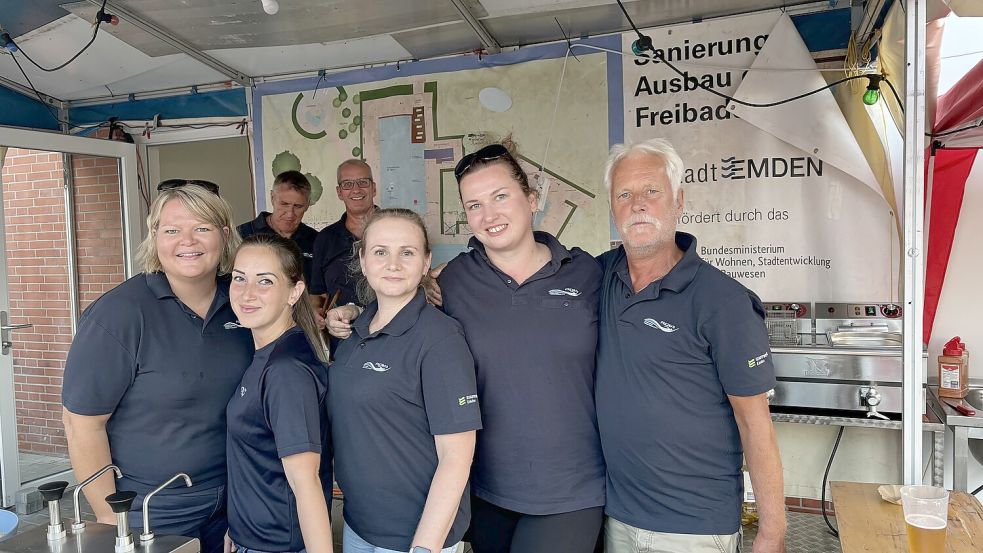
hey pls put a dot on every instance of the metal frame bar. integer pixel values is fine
(487, 40)
(26, 91)
(914, 214)
(185, 47)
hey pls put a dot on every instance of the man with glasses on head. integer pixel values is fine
(333, 248)
(290, 198)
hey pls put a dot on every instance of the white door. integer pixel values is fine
(21, 467)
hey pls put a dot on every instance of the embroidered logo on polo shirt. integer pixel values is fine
(307, 254)
(377, 367)
(242, 391)
(231, 325)
(565, 292)
(661, 325)
(757, 361)
(467, 400)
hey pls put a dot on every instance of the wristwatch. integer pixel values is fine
(420, 549)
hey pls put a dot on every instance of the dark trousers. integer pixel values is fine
(498, 530)
(199, 514)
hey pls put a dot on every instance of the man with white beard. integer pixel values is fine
(683, 368)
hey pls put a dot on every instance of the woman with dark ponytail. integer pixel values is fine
(279, 450)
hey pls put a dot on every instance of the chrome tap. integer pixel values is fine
(148, 534)
(79, 525)
(52, 492)
(871, 398)
(120, 502)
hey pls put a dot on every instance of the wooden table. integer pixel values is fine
(867, 523)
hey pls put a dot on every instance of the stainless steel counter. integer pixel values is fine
(967, 432)
(931, 422)
(97, 538)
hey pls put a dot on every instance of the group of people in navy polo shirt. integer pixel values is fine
(524, 397)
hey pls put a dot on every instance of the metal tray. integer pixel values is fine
(858, 338)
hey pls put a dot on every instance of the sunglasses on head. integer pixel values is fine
(171, 184)
(488, 153)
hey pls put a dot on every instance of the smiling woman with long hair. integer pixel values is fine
(153, 365)
(279, 449)
(403, 403)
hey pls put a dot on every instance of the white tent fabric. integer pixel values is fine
(825, 132)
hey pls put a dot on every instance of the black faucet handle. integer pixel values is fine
(52, 491)
(121, 501)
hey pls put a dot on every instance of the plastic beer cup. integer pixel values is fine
(926, 511)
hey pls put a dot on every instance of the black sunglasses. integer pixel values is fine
(171, 184)
(490, 152)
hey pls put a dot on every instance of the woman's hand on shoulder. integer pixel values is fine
(339, 320)
(431, 287)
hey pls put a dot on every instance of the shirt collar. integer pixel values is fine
(260, 224)
(558, 253)
(158, 284)
(402, 322)
(681, 274)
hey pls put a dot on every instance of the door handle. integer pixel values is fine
(5, 328)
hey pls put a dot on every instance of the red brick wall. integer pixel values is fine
(37, 269)
(98, 224)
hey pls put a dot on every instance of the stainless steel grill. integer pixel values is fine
(844, 356)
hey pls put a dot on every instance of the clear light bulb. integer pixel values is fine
(271, 6)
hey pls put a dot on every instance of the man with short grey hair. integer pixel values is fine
(290, 198)
(331, 284)
(683, 368)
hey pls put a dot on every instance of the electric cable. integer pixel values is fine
(822, 501)
(954, 131)
(977, 490)
(38, 94)
(95, 32)
(630, 22)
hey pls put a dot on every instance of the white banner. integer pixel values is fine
(783, 199)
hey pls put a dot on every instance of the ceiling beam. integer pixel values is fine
(487, 40)
(185, 47)
(27, 91)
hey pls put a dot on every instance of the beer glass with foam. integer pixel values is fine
(925, 513)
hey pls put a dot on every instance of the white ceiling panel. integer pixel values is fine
(441, 40)
(272, 60)
(221, 24)
(168, 72)
(499, 8)
(108, 61)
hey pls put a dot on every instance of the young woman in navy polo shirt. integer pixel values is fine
(279, 452)
(528, 306)
(403, 402)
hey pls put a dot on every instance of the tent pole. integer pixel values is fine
(914, 211)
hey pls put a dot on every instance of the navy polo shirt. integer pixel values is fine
(391, 392)
(304, 237)
(332, 254)
(667, 359)
(165, 376)
(278, 411)
(534, 347)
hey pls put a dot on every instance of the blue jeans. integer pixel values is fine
(354, 544)
(199, 514)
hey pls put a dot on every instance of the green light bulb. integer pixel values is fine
(871, 96)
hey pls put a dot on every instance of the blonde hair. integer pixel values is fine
(204, 205)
